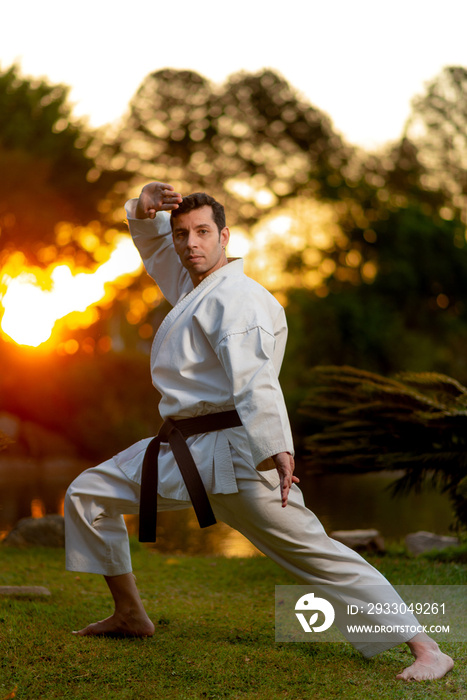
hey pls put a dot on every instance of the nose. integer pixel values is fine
(191, 240)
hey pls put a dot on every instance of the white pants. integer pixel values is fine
(97, 538)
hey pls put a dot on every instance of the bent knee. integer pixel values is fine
(71, 497)
(80, 489)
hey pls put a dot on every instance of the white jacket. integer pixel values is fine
(219, 348)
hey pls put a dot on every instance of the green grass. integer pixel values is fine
(214, 636)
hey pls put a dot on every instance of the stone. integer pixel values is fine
(24, 591)
(48, 531)
(360, 540)
(422, 541)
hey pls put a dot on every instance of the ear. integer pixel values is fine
(224, 237)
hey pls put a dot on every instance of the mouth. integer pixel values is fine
(194, 258)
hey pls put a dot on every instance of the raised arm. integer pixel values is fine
(149, 224)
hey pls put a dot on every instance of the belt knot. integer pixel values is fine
(175, 433)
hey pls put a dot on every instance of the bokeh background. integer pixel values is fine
(336, 138)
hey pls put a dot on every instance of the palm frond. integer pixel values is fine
(365, 422)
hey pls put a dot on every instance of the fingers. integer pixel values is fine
(157, 196)
(285, 488)
(170, 200)
(285, 466)
(165, 198)
(286, 483)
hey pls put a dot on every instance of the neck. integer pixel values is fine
(198, 278)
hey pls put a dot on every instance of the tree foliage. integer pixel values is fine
(411, 316)
(44, 166)
(438, 128)
(253, 135)
(4, 441)
(393, 291)
(415, 422)
(101, 403)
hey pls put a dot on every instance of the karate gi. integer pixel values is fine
(220, 348)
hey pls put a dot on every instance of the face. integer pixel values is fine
(198, 243)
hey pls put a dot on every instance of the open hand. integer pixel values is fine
(154, 197)
(285, 465)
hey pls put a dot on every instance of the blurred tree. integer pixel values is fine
(405, 312)
(4, 441)
(252, 142)
(438, 128)
(397, 177)
(102, 403)
(44, 168)
(415, 422)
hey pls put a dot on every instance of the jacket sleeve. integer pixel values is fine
(153, 238)
(247, 357)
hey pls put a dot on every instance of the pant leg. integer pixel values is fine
(295, 539)
(96, 537)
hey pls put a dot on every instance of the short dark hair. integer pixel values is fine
(196, 201)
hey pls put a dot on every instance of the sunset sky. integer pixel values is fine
(361, 62)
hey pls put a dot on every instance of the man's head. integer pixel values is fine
(200, 235)
(196, 201)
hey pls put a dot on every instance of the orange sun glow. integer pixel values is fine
(34, 300)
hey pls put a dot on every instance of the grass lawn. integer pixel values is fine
(214, 636)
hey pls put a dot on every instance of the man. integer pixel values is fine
(215, 357)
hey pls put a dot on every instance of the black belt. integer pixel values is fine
(174, 432)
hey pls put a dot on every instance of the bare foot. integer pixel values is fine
(430, 662)
(118, 626)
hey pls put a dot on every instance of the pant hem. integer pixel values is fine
(97, 570)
